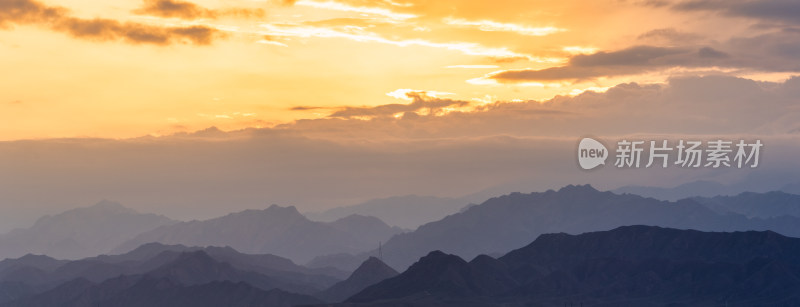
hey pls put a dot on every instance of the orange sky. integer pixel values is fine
(157, 67)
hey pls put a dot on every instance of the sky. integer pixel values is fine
(199, 108)
(156, 67)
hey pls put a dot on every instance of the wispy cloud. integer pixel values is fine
(361, 35)
(472, 66)
(100, 29)
(189, 10)
(421, 102)
(493, 26)
(337, 6)
(409, 94)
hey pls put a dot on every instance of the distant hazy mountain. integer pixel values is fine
(80, 232)
(128, 291)
(366, 228)
(630, 266)
(408, 212)
(703, 188)
(500, 224)
(154, 274)
(762, 205)
(686, 190)
(215, 263)
(197, 268)
(276, 230)
(263, 263)
(369, 273)
(340, 261)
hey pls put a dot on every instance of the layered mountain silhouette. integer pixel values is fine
(243, 259)
(161, 275)
(185, 265)
(503, 223)
(758, 205)
(631, 266)
(281, 231)
(368, 273)
(81, 232)
(762, 183)
(408, 212)
(146, 291)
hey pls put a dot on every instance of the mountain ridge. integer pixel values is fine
(640, 265)
(282, 231)
(80, 232)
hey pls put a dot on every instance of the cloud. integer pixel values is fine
(472, 66)
(307, 108)
(344, 7)
(188, 10)
(768, 10)
(632, 60)
(775, 51)
(22, 12)
(493, 26)
(683, 105)
(361, 35)
(421, 101)
(670, 36)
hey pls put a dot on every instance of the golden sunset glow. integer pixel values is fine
(88, 68)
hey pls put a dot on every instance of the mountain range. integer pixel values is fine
(630, 265)
(704, 188)
(372, 271)
(187, 266)
(500, 224)
(160, 274)
(755, 205)
(250, 258)
(407, 212)
(281, 231)
(146, 291)
(80, 232)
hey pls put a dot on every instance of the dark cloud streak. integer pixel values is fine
(421, 101)
(188, 10)
(769, 10)
(775, 51)
(22, 12)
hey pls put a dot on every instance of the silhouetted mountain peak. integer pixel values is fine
(370, 272)
(437, 259)
(110, 206)
(288, 210)
(484, 260)
(650, 242)
(35, 258)
(195, 258)
(653, 265)
(578, 189)
(442, 274)
(373, 267)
